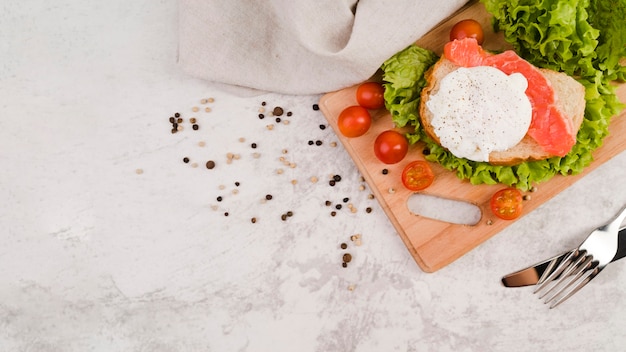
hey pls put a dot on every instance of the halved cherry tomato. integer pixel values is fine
(370, 95)
(467, 29)
(390, 147)
(417, 175)
(507, 203)
(354, 121)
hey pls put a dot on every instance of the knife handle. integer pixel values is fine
(621, 245)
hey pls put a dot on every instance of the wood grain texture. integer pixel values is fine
(433, 243)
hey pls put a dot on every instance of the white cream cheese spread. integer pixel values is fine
(480, 109)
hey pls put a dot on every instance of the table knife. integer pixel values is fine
(531, 275)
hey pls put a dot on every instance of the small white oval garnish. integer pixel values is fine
(444, 209)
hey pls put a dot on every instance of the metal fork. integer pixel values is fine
(581, 264)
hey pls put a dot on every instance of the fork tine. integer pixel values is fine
(568, 280)
(551, 266)
(567, 271)
(590, 276)
(545, 281)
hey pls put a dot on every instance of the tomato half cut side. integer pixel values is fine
(417, 175)
(507, 203)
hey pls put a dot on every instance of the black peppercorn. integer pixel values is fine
(278, 111)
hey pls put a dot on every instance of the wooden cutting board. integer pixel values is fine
(434, 243)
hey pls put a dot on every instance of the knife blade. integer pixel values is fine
(531, 275)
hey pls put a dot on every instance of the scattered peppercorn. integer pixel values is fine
(278, 120)
(278, 111)
(337, 178)
(311, 142)
(316, 107)
(328, 203)
(289, 113)
(331, 183)
(290, 213)
(385, 171)
(343, 246)
(263, 103)
(268, 197)
(368, 210)
(318, 142)
(177, 115)
(237, 183)
(219, 198)
(333, 213)
(185, 160)
(322, 127)
(253, 220)
(283, 217)
(226, 214)
(338, 206)
(253, 145)
(261, 116)
(347, 258)
(345, 200)
(210, 164)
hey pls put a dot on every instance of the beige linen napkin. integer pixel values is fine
(299, 46)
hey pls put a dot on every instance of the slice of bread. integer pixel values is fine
(570, 98)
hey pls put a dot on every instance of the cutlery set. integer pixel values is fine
(558, 278)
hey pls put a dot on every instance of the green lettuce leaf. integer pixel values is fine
(403, 81)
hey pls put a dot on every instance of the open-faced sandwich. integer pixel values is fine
(516, 117)
(499, 108)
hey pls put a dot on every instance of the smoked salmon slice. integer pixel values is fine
(549, 126)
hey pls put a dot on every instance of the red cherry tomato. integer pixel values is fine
(417, 175)
(390, 147)
(370, 95)
(354, 121)
(467, 29)
(507, 203)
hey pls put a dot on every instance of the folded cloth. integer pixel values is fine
(299, 46)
